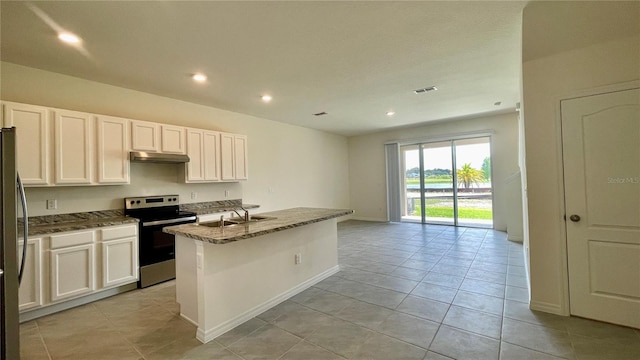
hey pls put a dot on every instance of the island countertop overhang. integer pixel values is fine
(283, 220)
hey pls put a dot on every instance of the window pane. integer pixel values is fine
(438, 178)
(473, 170)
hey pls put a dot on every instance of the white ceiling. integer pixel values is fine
(353, 60)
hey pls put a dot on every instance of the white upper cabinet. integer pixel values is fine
(32, 141)
(173, 139)
(226, 157)
(233, 157)
(57, 147)
(195, 145)
(153, 137)
(240, 157)
(113, 150)
(73, 139)
(145, 136)
(203, 149)
(211, 154)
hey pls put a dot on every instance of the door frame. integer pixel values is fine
(563, 271)
(442, 138)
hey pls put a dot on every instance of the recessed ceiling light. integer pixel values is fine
(199, 77)
(266, 98)
(391, 113)
(69, 38)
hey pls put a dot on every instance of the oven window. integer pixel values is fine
(156, 246)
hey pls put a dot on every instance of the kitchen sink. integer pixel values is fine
(260, 218)
(217, 223)
(236, 221)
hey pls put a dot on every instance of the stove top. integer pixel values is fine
(151, 202)
(150, 208)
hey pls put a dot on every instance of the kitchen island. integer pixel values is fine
(227, 275)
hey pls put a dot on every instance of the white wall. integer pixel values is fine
(367, 169)
(546, 80)
(289, 166)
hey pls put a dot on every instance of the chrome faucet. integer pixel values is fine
(246, 216)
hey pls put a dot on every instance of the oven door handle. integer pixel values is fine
(168, 221)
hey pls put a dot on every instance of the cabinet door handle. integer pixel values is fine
(574, 218)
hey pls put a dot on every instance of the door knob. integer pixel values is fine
(574, 218)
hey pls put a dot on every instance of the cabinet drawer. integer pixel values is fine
(119, 232)
(72, 239)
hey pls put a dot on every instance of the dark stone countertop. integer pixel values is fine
(49, 224)
(283, 220)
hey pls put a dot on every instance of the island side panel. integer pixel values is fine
(241, 279)
(186, 278)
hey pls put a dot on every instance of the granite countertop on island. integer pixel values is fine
(49, 224)
(283, 220)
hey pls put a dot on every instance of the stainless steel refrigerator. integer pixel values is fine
(11, 190)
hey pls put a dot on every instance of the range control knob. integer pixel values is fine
(175, 199)
(132, 202)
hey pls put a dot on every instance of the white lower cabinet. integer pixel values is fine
(70, 265)
(119, 255)
(30, 293)
(72, 262)
(72, 271)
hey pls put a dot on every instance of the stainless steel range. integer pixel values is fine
(156, 249)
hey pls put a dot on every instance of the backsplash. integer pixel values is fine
(199, 207)
(211, 204)
(146, 180)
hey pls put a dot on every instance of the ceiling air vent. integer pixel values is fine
(320, 113)
(424, 90)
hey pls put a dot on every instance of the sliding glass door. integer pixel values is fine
(435, 193)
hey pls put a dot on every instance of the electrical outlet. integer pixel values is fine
(52, 204)
(194, 195)
(298, 259)
(226, 193)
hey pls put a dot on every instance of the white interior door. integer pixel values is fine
(601, 144)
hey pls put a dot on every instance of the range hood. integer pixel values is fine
(149, 157)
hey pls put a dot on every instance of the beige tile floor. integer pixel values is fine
(405, 291)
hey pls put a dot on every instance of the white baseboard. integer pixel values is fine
(547, 307)
(367, 218)
(49, 309)
(189, 320)
(208, 335)
(515, 238)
